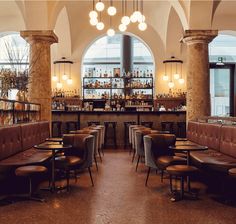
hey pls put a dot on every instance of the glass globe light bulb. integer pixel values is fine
(59, 85)
(100, 6)
(54, 78)
(64, 77)
(110, 32)
(176, 76)
(133, 17)
(139, 15)
(93, 21)
(100, 26)
(125, 20)
(171, 84)
(122, 27)
(93, 14)
(181, 81)
(111, 11)
(165, 77)
(142, 26)
(141, 19)
(69, 81)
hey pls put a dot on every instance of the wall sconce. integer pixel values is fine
(221, 61)
(66, 76)
(175, 67)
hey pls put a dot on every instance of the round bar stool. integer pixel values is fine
(56, 128)
(180, 171)
(30, 172)
(126, 126)
(147, 124)
(167, 126)
(110, 127)
(71, 126)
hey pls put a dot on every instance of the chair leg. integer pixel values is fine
(90, 174)
(133, 156)
(100, 156)
(149, 169)
(137, 163)
(162, 174)
(67, 180)
(96, 163)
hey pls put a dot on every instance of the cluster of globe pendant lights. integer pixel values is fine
(136, 16)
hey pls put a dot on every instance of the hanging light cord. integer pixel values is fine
(93, 5)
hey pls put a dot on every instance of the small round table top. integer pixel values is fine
(55, 146)
(188, 147)
(181, 139)
(54, 139)
(232, 172)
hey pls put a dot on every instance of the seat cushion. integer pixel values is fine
(30, 170)
(214, 160)
(30, 156)
(181, 170)
(165, 161)
(66, 161)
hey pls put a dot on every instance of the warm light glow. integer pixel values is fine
(111, 11)
(93, 14)
(181, 81)
(93, 21)
(54, 78)
(142, 26)
(141, 19)
(64, 77)
(176, 76)
(110, 32)
(133, 18)
(59, 85)
(122, 27)
(165, 77)
(69, 81)
(100, 6)
(100, 26)
(171, 84)
(125, 20)
(138, 15)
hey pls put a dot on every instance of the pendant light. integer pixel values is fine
(54, 77)
(110, 31)
(125, 19)
(133, 17)
(176, 75)
(100, 25)
(59, 84)
(69, 81)
(64, 76)
(100, 6)
(93, 14)
(122, 26)
(171, 83)
(111, 9)
(141, 19)
(165, 77)
(181, 80)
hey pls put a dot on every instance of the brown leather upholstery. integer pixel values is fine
(30, 156)
(181, 170)
(214, 160)
(192, 133)
(65, 161)
(30, 135)
(10, 141)
(228, 140)
(209, 135)
(232, 172)
(44, 130)
(30, 170)
(165, 161)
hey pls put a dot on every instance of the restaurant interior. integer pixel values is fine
(117, 111)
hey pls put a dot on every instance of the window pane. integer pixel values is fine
(220, 92)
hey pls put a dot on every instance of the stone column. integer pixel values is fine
(198, 86)
(127, 53)
(40, 69)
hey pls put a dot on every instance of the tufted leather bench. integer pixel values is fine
(221, 141)
(17, 141)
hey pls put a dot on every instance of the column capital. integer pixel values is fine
(199, 36)
(39, 36)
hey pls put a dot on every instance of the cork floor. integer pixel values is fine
(119, 197)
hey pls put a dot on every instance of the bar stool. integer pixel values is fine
(30, 172)
(56, 125)
(110, 125)
(71, 126)
(126, 125)
(90, 123)
(180, 171)
(167, 126)
(147, 124)
(181, 129)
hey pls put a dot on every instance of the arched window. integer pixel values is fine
(104, 59)
(14, 62)
(222, 58)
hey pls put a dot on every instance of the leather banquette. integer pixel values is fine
(221, 141)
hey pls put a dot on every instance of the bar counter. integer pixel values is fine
(82, 117)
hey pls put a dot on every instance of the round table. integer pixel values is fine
(54, 148)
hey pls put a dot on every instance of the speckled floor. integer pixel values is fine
(119, 197)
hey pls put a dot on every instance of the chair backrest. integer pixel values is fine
(133, 133)
(139, 144)
(149, 159)
(161, 143)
